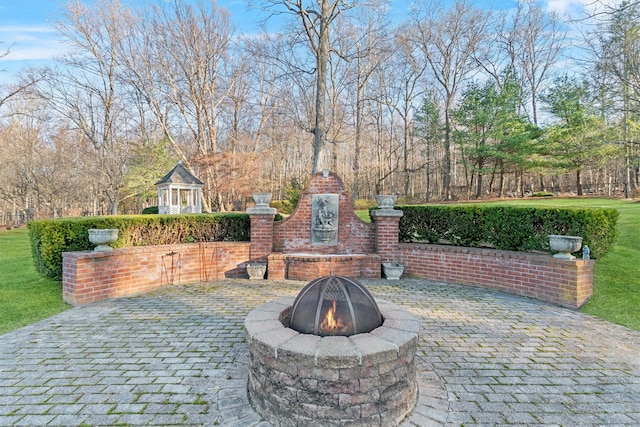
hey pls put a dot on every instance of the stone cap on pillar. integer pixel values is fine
(262, 210)
(395, 213)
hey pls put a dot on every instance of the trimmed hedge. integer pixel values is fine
(509, 228)
(50, 238)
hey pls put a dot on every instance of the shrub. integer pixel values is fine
(543, 194)
(362, 204)
(283, 206)
(292, 193)
(151, 210)
(508, 228)
(50, 238)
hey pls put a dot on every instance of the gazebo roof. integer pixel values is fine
(179, 175)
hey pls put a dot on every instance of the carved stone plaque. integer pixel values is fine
(324, 219)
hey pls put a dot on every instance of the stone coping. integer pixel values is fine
(393, 213)
(316, 254)
(399, 332)
(319, 257)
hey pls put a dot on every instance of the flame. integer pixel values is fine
(331, 322)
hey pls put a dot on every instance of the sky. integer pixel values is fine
(27, 26)
(27, 29)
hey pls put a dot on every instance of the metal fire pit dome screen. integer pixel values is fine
(334, 305)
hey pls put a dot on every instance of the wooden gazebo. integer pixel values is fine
(179, 192)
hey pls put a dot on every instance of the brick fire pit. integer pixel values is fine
(299, 379)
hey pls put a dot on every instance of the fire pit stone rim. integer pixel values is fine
(400, 330)
(255, 327)
(403, 339)
(394, 311)
(408, 325)
(302, 345)
(374, 350)
(272, 339)
(337, 353)
(266, 310)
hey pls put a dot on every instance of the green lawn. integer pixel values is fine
(25, 297)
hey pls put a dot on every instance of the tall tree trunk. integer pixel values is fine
(446, 179)
(579, 182)
(357, 143)
(479, 186)
(321, 85)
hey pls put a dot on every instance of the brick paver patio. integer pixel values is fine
(177, 356)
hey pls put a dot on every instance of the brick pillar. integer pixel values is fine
(387, 229)
(580, 279)
(261, 232)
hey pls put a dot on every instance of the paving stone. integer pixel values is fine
(67, 420)
(177, 356)
(179, 398)
(10, 420)
(128, 408)
(160, 408)
(136, 419)
(104, 419)
(66, 409)
(35, 420)
(37, 409)
(420, 420)
(191, 409)
(169, 420)
(93, 398)
(522, 418)
(97, 408)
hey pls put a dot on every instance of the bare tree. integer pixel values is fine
(405, 87)
(28, 79)
(38, 152)
(368, 49)
(281, 85)
(84, 90)
(17, 140)
(542, 40)
(176, 59)
(616, 47)
(448, 39)
(315, 18)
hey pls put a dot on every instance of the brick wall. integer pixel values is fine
(562, 282)
(309, 267)
(92, 276)
(294, 234)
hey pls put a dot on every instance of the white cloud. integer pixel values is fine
(30, 42)
(563, 7)
(33, 53)
(579, 8)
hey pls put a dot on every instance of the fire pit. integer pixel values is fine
(334, 305)
(341, 378)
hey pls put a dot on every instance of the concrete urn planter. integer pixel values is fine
(102, 238)
(386, 201)
(564, 245)
(392, 270)
(262, 199)
(256, 271)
